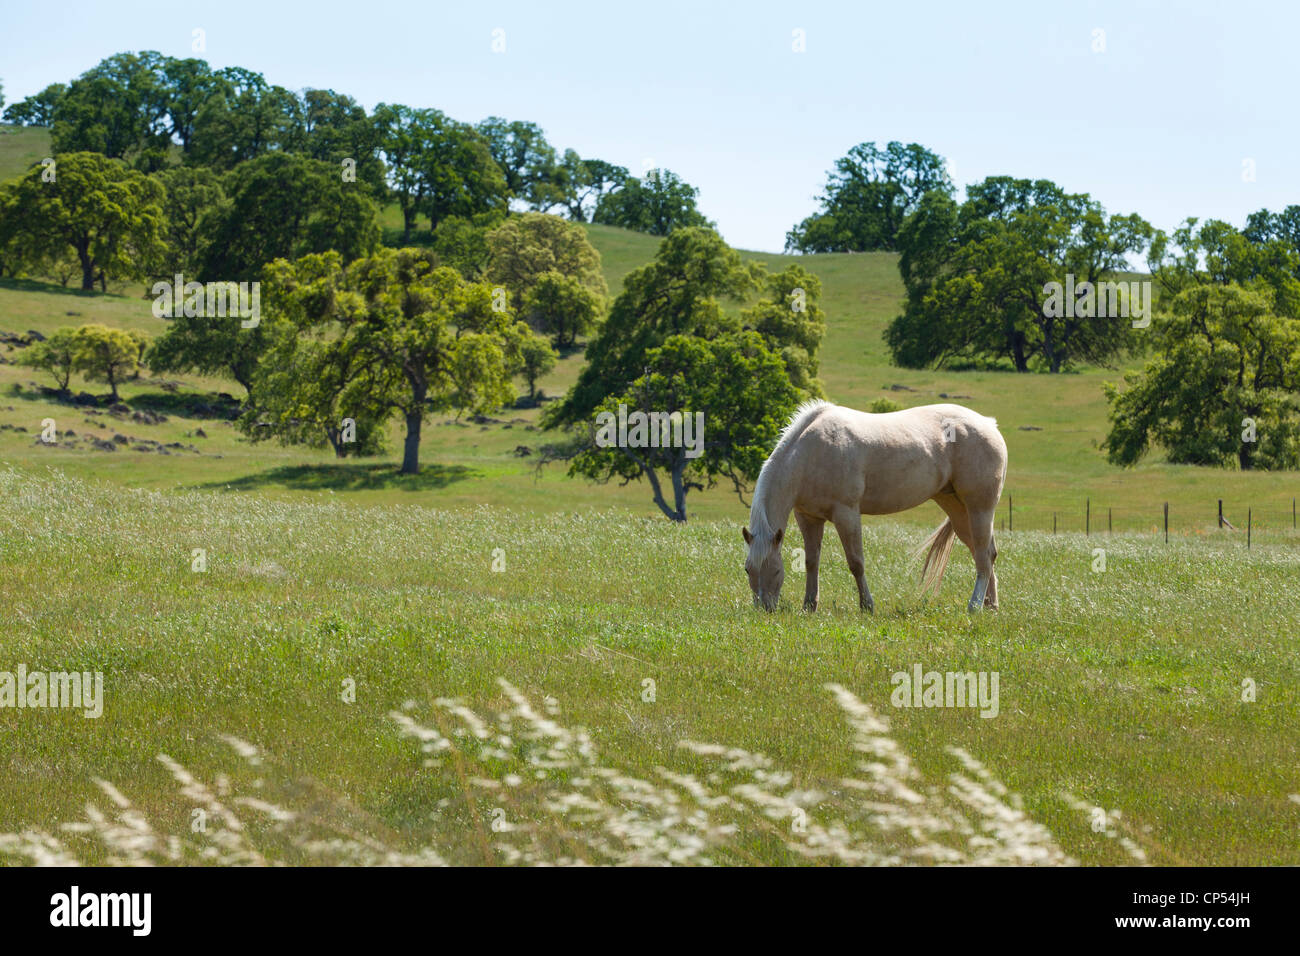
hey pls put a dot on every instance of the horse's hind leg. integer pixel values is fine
(991, 598)
(812, 529)
(849, 525)
(981, 547)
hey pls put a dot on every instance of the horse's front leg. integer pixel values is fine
(812, 529)
(849, 525)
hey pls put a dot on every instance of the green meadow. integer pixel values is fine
(306, 660)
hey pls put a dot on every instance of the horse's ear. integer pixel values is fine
(776, 538)
(749, 538)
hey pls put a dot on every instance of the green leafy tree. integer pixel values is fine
(461, 177)
(185, 85)
(791, 321)
(142, 341)
(56, 355)
(536, 358)
(679, 292)
(742, 394)
(526, 159)
(462, 243)
(108, 355)
(189, 193)
(977, 278)
(335, 129)
(1215, 252)
(657, 204)
(243, 118)
(1264, 226)
(437, 167)
(210, 345)
(110, 217)
(525, 247)
(312, 389)
(682, 292)
(118, 108)
(867, 196)
(281, 206)
(584, 182)
(421, 338)
(404, 135)
(562, 307)
(36, 110)
(309, 392)
(1221, 389)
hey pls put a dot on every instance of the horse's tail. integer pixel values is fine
(937, 548)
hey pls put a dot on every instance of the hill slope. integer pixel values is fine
(1052, 423)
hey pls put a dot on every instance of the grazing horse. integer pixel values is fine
(836, 464)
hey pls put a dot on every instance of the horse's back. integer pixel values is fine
(893, 461)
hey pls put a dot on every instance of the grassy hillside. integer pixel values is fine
(20, 147)
(1052, 423)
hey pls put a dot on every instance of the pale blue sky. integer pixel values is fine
(1159, 123)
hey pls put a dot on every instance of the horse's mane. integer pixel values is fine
(759, 526)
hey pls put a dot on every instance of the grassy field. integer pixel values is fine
(349, 680)
(1119, 690)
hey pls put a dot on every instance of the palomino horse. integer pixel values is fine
(836, 464)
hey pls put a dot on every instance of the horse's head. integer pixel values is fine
(765, 568)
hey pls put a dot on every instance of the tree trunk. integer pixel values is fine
(408, 223)
(1018, 352)
(679, 489)
(335, 437)
(87, 270)
(411, 451)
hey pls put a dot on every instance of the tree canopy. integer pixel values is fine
(657, 204)
(1222, 386)
(398, 334)
(977, 277)
(282, 206)
(716, 408)
(867, 196)
(95, 208)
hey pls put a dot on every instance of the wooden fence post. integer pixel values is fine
(1087, 518)
(1166, 522)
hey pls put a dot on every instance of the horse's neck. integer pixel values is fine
(778, 493)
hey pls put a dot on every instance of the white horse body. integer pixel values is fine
(836, 464)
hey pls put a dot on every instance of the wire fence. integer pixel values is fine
(1251, 520)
